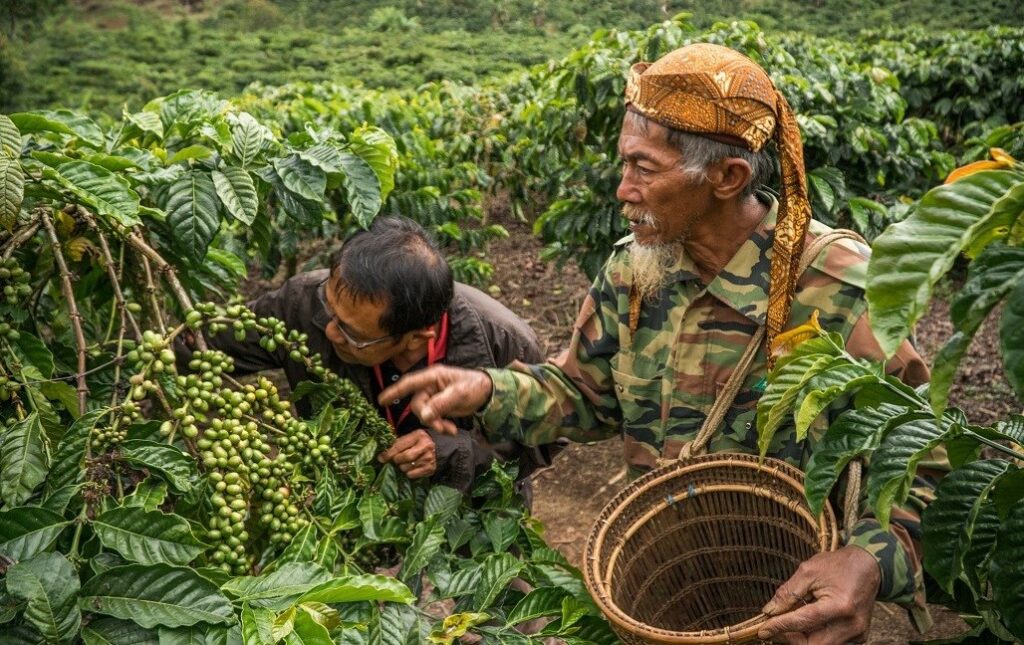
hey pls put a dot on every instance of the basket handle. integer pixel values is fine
(732, 387)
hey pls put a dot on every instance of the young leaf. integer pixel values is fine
(192, 213)
(784, 385)
(359, 588)
(149, 494)
(156, 595)
(49, 585)
(147, 122)
(307, 631)
(377, 148)
(827, 386)
(23, 460)
(148, 537)
(948, 522)
(256, 625)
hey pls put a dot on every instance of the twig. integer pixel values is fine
(23, 235)
(108, 259)
(76, 318)
(154, 301)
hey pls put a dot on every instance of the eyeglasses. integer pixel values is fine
(357, 344)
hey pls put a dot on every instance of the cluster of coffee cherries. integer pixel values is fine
(15, 281)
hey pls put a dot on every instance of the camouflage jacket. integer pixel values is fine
(655, 386)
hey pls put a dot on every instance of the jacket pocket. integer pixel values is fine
(641, 402)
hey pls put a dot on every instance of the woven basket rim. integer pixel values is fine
(790, 476)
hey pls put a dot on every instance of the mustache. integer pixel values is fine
(640, 216)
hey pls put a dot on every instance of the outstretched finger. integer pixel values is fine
(424, 406)
(791, 594)
(427, 380)
(805, 620)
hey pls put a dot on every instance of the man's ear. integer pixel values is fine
(729, 177)
(419, 338)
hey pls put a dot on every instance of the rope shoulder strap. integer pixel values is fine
(732, 387)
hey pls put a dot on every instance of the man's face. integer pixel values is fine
(661, 202)
(354, 329)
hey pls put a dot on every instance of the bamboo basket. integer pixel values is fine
(691, 551)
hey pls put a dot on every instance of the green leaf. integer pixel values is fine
(545, 601)
(372, 509)
(1007, 571)
(283, 625)
(894, 462)
(361, 187)
(991, 276)
(68, 468)
(1011, 338)
(178, 469)
(156, 595)
(108, 193)
(302, 546)
(854, 433)
(502, 531)
(463, 582)
(911, 256)
(23, 461)
(376, 147)
(49, 584)
(149, 494)
(427, 539)
(984, 532)
(237, 192)
(201, 635)
(359, 588)
(277, 589)
(442, 502)
(256, 625)
(324, 156)
(301, 177)
(192, 213)
(147, 122)
(12, 191)
(308, 631)
(248, 138)
(827, 386)
(34, 352)
(32, 122)
(28, 530)
(10, 138)
(113, 631)
(190, 152)
(497, 571)
(948, 522)
(148, 537)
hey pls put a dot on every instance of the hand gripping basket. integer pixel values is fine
(690, 552)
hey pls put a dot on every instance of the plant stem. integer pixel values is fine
(76, 318)
(19, 238)
(992, 444)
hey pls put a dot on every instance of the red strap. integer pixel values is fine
(437, 347)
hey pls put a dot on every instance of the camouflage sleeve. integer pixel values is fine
(573, 394)
(898, 549)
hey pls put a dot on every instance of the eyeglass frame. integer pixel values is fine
(332, 317)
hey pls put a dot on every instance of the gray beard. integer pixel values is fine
(651, 266)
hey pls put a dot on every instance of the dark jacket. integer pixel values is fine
(482, 333)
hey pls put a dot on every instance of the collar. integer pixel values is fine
(743, 282)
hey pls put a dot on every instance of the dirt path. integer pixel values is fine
(570, 494)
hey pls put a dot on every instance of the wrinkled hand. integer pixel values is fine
(414, 454)
(440, 393)
(828, 600)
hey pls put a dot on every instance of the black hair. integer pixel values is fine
(398, 263)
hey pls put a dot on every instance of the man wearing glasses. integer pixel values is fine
(386, 307)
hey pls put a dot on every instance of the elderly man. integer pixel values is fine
(710, 262)
(389, 306)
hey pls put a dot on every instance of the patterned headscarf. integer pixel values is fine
(719, 93)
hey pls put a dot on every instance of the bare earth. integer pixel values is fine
(570, 495)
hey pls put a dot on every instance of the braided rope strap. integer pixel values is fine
(725, 399)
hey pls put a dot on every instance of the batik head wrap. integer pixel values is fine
(716, 92)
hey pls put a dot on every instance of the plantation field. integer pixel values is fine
(161, 162)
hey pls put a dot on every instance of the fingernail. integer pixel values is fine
(769, 609)
(764, 635)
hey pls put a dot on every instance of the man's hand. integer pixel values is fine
(828, 600)
(441, 392)
(414, 454)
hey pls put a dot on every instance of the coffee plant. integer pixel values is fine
(973, 532)
(150, 495)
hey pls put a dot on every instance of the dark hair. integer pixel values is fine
(398, 263)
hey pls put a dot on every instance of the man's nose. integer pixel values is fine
(627, 192)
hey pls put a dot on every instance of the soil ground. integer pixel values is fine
(570, 494)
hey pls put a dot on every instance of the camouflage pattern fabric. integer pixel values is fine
(655, 386)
